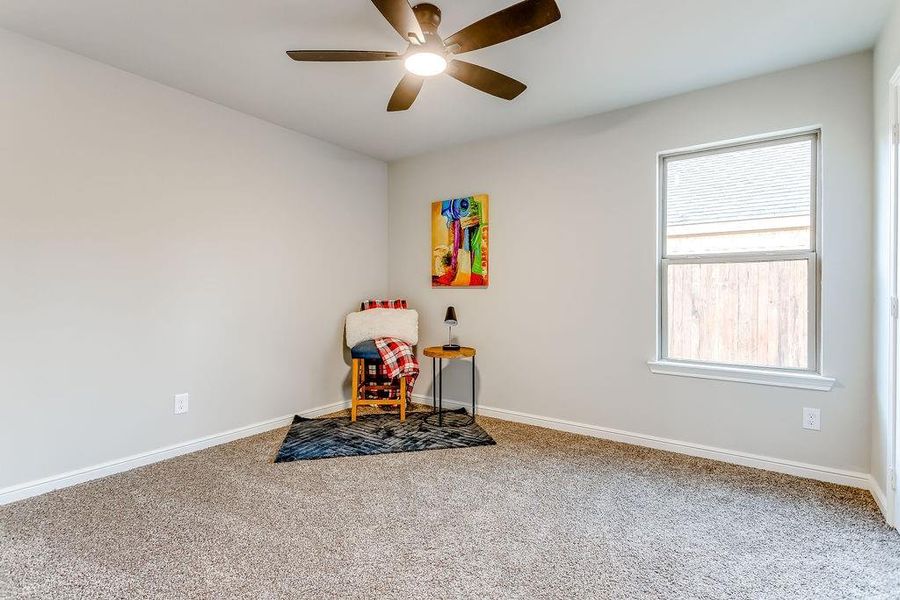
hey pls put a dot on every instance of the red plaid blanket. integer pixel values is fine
(398, 358)
(399, 361)
(366, 305)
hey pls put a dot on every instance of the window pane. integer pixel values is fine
(750, 313)
(754, 199)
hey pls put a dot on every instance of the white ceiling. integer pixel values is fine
(602, 54)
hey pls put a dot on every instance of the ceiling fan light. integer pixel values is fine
(425, 64)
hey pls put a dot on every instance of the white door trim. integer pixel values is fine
(892, 500)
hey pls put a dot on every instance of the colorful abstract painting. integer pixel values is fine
(459, 242)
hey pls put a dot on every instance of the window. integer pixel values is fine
(738, 263)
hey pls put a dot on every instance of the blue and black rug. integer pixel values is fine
(310, 439)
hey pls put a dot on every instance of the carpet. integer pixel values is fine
(309, 439)
(543, 514)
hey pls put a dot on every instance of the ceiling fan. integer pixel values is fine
(428, 55)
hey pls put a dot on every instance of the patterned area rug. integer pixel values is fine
(310, 439)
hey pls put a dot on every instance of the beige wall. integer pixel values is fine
(568, 323)
(153, 243)
(887, 61)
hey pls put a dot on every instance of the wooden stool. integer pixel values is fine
(360, 354)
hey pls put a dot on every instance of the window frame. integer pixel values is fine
(809, 377)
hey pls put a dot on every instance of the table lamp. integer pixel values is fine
(450, 321)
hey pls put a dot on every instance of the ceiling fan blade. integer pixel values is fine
(341, 55)
(486, 80)
(507, 24)
(405, 93)
(402, 18)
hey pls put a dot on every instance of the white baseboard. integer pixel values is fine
(55, 482)
(318, 411)
(850, 478)
(881, 500)
(809, 471)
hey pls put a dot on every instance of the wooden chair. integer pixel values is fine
(367, 352)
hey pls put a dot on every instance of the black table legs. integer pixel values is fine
(437, 394)
(473, 388)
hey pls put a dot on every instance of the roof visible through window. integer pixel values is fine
(746, 184)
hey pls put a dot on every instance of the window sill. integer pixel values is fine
(805, 381)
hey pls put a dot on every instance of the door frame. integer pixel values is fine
(892, 499)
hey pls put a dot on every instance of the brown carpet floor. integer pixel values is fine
(542, 514)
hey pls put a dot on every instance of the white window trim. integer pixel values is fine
(811, 378)
(775, 377)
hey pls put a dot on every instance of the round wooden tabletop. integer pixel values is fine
(439, 352)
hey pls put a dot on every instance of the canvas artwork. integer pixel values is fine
(459, 242)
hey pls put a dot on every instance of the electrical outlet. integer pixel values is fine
(181, 403)
(812, 419)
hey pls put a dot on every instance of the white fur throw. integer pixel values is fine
(382, 322)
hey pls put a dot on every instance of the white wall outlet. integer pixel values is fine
(812, 419)
(181, 403)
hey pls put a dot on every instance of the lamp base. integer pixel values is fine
(450, 347)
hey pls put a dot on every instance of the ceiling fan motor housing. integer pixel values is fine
(428, 16)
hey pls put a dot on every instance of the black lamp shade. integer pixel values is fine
(450, 317)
